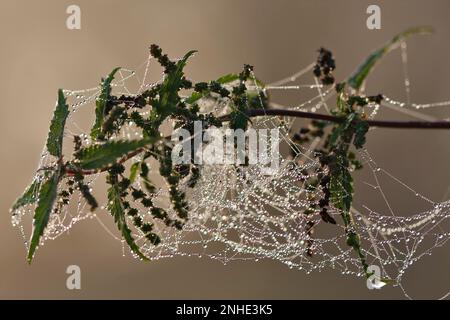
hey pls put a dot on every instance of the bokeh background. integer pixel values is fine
(39, 54)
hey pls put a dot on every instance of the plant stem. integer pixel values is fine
(299, 114)
(373, 123)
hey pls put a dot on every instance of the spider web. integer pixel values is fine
(247, 215)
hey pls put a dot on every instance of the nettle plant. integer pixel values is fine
(328, 185)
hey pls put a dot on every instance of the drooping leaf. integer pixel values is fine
(341, 195)
(98, 156)
(101, 103)
(342, 105)
(55, 136)
(357, 79)
(115, 206)
(29, 196)
(46, 200)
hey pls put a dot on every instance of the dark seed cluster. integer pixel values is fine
(328, 185)
(324, 67)
(163, 59)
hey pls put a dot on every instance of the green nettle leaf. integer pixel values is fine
(340, 130)
(168, 95)
(115, 206)
(100, 155)
(101, 103)
(356, 81)
(361, 128)
(134, 170)
(47, 197)
(342, 105)
(55, 136)
(29, 196)
(341, 190)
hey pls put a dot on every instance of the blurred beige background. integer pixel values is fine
(38, 55)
